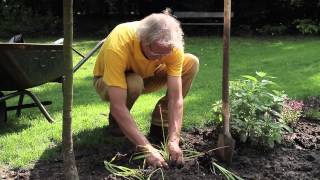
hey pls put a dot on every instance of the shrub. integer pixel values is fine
(15, 18)
(291, 111)
(307, 26)
(255, 110)
(312, 113)
(273, 29)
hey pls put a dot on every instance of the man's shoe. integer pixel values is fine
(158, 134)
(113, 127)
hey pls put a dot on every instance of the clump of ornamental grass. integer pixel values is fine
(122, 171)
(291, 111)
(193, 155)
(129, 173)
(163, 149)
(139, 174)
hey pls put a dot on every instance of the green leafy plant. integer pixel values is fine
(291, 111)
(216, 111)
(255, 109)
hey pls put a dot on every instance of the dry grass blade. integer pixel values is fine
(191, 155)
(228, 174)
(159, 169)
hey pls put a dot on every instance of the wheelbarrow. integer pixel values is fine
(27, 65)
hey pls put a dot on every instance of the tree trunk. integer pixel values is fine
(70, 168)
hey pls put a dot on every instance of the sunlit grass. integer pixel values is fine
(294, 61)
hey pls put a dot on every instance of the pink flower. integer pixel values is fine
(294, 105)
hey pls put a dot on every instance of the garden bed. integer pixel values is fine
(297, 158)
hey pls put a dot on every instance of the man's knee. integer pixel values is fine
(101, 88)
(134, 84)
(191, 63)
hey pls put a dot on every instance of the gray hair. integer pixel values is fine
(162, 28)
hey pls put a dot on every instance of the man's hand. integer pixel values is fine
(176, 154)
(154, 158)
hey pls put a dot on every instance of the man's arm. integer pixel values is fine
(175, 106)
(123, 117)
(120, 112)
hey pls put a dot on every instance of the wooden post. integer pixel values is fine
(70, 168)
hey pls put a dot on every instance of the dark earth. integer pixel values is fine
(297, 158)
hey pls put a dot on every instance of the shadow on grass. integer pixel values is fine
(12, 126)
(92, 147)
(53, 92)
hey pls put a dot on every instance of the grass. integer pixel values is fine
(294, 60)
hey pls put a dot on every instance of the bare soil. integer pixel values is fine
(297, 158)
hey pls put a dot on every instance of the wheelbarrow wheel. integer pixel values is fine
(3, 111)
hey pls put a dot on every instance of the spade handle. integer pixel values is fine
(225, 67)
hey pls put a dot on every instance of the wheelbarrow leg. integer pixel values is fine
(19, 107)
(39, 104)
(3, 111)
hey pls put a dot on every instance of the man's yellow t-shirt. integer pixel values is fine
(121, 53)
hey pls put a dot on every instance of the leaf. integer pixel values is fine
(277, 137)
(270, 142)
(261, 74)
(250, 77)
(243, 137)
(142, 156)
(286, 127)
(267, 82)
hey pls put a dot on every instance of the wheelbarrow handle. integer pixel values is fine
(77, 52)
(84, 58)
(87, 56)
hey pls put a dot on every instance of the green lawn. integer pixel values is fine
(294, 60)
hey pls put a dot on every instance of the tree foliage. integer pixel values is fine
(256, 16)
